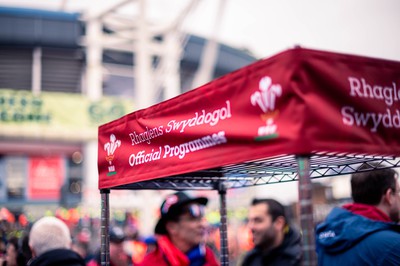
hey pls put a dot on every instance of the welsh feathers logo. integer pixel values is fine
(265, 98)
(110, 148)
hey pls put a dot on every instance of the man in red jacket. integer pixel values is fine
(180, 234)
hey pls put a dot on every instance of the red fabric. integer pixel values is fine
(92, 262)
(6, 215)
(167, 254)
(367, 211)
(297, 102)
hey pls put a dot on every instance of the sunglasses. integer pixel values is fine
(195, 211)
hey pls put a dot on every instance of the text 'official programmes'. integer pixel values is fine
(179, 150)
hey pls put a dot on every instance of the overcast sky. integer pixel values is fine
(365, 27)
(266, 27)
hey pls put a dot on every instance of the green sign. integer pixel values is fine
(56, 115)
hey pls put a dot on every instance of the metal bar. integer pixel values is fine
(223, 229)
(105, 223)
(306, 211)
(37, 71)
(267, 171)
(113, 8)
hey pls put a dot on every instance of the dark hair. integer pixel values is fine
(18, 244)
(14, 241)
(176, 213)
(369, 186)
(26, 253)
(275, 209)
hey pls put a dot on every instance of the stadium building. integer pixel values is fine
(63, 74)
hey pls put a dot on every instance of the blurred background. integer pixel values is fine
(68, 66)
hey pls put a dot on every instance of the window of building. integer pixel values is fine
(16, 68)
(62, 70)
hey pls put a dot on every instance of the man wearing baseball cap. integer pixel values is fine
(181, 233)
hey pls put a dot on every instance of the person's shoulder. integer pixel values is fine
(211, 259)
(381, 242)
(58, 257)
(385, 236)
(384, 245)
(92, 262)
(250, 256)
(153, 258)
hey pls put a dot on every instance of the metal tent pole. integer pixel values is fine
(105, 223)
(306, 211)
(223, 229)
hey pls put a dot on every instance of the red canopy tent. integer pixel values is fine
(298, 115)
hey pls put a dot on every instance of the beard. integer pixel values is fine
(266, 239)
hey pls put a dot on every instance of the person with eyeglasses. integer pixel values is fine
(365, 232)
(180, 234)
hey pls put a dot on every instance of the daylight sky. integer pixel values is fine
(266, 27)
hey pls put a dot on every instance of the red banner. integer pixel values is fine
(46, 176)
(297, 102)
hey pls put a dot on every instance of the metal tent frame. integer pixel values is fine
(261, 172)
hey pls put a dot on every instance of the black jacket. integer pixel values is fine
(287, 254)
(58, 257)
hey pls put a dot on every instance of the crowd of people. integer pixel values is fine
(127, 246)
(19, 245)
(364, 232)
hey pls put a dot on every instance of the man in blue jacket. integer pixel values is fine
(365, 232)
